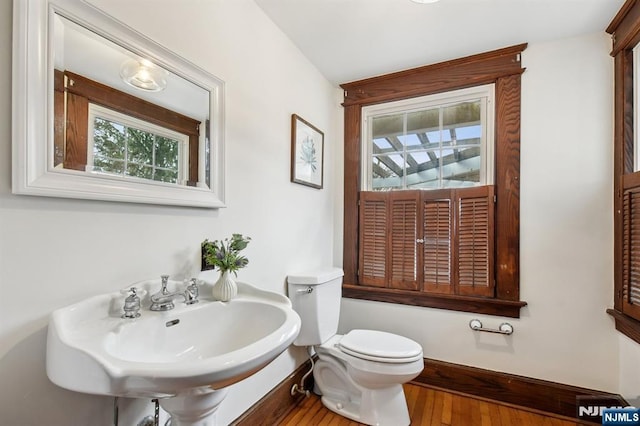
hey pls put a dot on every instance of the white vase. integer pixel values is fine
(225, 288)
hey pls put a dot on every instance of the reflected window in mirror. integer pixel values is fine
(105, 130)
(124, 146)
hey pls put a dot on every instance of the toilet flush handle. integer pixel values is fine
(305, 290)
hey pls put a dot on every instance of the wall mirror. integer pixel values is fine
(102, 112)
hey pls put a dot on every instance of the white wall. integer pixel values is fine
(54, 252)
(629, 370)
(566, 223)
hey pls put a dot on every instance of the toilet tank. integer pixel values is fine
(316, 298)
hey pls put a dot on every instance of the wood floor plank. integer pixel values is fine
(418, 413)
(411, 394)
(505, 415)
(436, 415)
(496, 419)
(311, 413)
(457, 416)
(432, 407)
(485, 414)
(428, 406)
(321, 414)
(445, 419)
(472, 407)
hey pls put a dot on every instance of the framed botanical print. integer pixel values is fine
(307, 153)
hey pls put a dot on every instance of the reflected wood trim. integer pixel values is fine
(80, 87)
(523, 391)
(276, 404)
(193, 159)
(130, 105)
(59, 118)
(77, 129)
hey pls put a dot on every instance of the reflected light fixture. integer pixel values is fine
(143, 75)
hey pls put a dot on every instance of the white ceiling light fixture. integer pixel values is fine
(425, 1)
(143, 75)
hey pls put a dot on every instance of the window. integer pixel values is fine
(435, 239)
(125, 146)
(432, 185)
(625, 29)
(436, 141)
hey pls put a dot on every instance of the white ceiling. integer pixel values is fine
(349, 40)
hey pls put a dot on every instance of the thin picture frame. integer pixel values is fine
(307, 153)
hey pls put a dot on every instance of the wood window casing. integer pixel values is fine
(625, 31)
(502, 68)
(80, 91)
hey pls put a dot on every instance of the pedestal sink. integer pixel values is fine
(186, 356)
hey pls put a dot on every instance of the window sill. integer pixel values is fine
(626, 325)
(504, 308)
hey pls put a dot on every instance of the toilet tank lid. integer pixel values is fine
(319, 276)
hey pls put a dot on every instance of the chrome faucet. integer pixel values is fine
(163, 299)
(191, 292)
(132, 304)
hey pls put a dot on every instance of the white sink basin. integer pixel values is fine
(190, 349)
(201, 334)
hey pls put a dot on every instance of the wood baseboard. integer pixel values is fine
(276, 404)
(540, 395)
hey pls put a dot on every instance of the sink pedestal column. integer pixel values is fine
(195, 407)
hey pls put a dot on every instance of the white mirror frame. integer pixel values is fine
(32, 115)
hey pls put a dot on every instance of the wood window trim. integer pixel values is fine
(625, 31)
(501, 67)
(81, 91)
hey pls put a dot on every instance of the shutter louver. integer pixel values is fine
(373, 238)
(438, 239)
(404, 225)
(474, 241)
(631, 246)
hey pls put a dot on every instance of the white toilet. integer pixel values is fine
(359, 374)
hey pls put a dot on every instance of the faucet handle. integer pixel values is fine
(165, 281)
(132, 304)
(191, 292)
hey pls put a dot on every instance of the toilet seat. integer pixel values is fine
(373, 345)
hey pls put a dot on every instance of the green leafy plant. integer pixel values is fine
(225, 254)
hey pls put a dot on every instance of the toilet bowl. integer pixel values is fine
(359, 374)
(366, 387)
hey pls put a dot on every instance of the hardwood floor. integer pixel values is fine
(428, 407)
